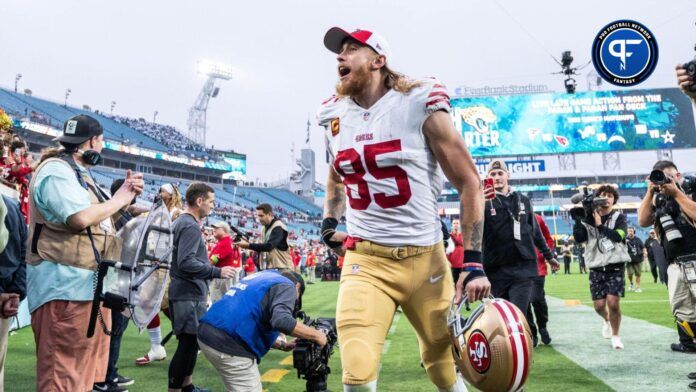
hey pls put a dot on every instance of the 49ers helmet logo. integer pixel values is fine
(479, 352)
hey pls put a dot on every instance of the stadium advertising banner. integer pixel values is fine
(593, 121)
(516, 167)
(237, 163)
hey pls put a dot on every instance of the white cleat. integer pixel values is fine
(606, 330)
(156, 353)
(616, 343)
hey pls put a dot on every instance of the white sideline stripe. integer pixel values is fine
(634, 301)
(645, 364)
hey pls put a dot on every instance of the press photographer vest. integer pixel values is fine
(61, 244)
(594, 257)
(240, 315)
(276, 258)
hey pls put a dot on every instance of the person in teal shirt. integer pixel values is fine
(59, 292)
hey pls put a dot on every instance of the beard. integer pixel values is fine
(356, 83)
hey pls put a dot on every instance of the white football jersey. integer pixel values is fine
(392, 178)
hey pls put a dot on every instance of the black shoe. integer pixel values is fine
(692, 385)
(682, 348)
(535, 341)
(691, 376)
(108, 387)
(193, 388)
(545, 337)
(123, 381)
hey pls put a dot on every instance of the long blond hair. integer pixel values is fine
(398, 81)
(175, 201)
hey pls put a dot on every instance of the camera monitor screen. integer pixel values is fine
(593, 121)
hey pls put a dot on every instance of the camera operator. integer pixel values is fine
(274, 235)
(239, 329)
(635, 266)
(669, 205)
(603, 231)
(685, 81)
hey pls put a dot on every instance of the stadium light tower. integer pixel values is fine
(17, 77)
(67, 94)
(198, 112)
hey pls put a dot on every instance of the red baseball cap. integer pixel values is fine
(336, 36)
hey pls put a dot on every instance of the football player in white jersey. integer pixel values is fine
(388, 136)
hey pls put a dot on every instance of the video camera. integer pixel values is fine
(589, 201)
(310, 360)
(666, 208)
(239, 235)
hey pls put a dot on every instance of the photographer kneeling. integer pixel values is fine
(603, 232)
(240, 328)
(669, 205)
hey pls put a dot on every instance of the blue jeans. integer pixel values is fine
(119, 323)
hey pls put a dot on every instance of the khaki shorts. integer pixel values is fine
(239, 374)
(634, 268)
(375, 280)
(682, 295)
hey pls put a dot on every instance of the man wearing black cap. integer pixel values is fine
(510, 234)
(70, 224)
(240, 328)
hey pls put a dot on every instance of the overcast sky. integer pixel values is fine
(142, 54)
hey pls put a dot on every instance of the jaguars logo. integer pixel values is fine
(480, 118)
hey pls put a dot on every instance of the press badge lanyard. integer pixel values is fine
(516, 232)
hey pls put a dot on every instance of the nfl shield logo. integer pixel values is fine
(366, 116)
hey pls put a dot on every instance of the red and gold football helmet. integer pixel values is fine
(493, 346)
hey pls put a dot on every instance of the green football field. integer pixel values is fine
(551, 371)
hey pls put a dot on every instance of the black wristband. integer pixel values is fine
(474, 274)
(328, 229)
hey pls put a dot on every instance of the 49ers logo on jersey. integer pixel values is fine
(479, 352)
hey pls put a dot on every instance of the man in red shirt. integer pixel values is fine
(311, 266)
(541, 310)
(222, 255)
(456, 258)
(249, 266)
(296, 258)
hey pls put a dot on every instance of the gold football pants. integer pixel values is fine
(374, 281)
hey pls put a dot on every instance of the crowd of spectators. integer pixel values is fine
(16, 163)
(164, 134)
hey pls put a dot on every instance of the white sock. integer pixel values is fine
(458, 386)
(155, 336)
(369, 387)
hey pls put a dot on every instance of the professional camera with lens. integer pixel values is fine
(589, 203)
(666, 208)
(691, 71)
(312, 361)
